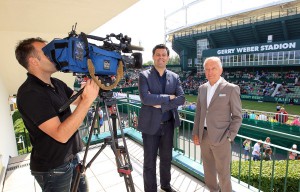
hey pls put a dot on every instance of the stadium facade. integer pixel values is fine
(259, 40)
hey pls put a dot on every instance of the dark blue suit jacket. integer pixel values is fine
(151, 93)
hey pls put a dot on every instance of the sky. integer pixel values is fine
(145, 22)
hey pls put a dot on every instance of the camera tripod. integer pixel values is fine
(124, 166)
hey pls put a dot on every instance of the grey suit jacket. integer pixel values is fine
(223, 116)
(151, 93)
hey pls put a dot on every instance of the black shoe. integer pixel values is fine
(168, 189)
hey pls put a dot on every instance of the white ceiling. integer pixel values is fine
(48, 19)
(58, 16)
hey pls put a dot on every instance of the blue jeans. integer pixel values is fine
(246, 152)
(256, 158)
(61, 178)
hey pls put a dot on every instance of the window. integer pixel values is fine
(197, 62)
(297, 54)
(292, 55)
(190, 62)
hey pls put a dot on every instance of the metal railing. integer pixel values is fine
(269, 116)
(277, 174)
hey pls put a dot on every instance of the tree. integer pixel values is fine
(148, 63)
(16, 115)
(19, 128)
(174, 60)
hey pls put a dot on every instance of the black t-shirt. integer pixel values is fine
(37, 103)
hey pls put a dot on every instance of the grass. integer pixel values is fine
(259, 106)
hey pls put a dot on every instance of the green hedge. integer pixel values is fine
(293, 177)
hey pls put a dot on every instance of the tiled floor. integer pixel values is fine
(102, 175)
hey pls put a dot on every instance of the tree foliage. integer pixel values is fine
(20, 130)
(148, 63)
(16, 115)
(19, 125)
(174, 60)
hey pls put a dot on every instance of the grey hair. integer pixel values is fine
(216, 59)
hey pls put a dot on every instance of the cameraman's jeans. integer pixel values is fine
(60, 178)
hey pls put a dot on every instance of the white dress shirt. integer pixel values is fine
(210, 93)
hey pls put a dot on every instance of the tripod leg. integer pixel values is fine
(96, 155)
(129, 183)
(76, 181)
(125, 171)
(81, 166)
(121, 153)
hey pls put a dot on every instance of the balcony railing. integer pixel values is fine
(277, 174)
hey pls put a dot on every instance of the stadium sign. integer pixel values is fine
(271, 99)
(257, 48)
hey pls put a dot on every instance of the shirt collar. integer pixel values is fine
(216, 84)
(32, 77)
(165, 72)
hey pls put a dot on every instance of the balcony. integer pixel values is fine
(102, 175)
(187, 170)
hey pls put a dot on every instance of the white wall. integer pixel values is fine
(8, 145)
(12, 73)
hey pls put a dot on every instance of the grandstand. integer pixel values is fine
(259, 49)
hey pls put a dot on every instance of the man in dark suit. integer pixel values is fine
(217, 121)
(161, 94)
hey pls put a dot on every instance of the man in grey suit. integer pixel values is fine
(217, 121)
(161, 94)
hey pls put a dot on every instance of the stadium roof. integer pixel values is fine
(281, 20)
(251, 12)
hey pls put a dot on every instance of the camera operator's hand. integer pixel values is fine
(91, 91)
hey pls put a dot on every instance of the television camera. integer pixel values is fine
(105, 64)
(106, 61)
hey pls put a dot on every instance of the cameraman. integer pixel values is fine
(53, 135)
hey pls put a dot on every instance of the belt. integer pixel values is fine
(205, 128)
(165, 122)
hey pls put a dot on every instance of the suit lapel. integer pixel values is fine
(218, 90)
(155, 78)
(168, 83)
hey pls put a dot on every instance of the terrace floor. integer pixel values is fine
(102, 175)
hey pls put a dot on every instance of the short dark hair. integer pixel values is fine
(160, 46)
(24, 49)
